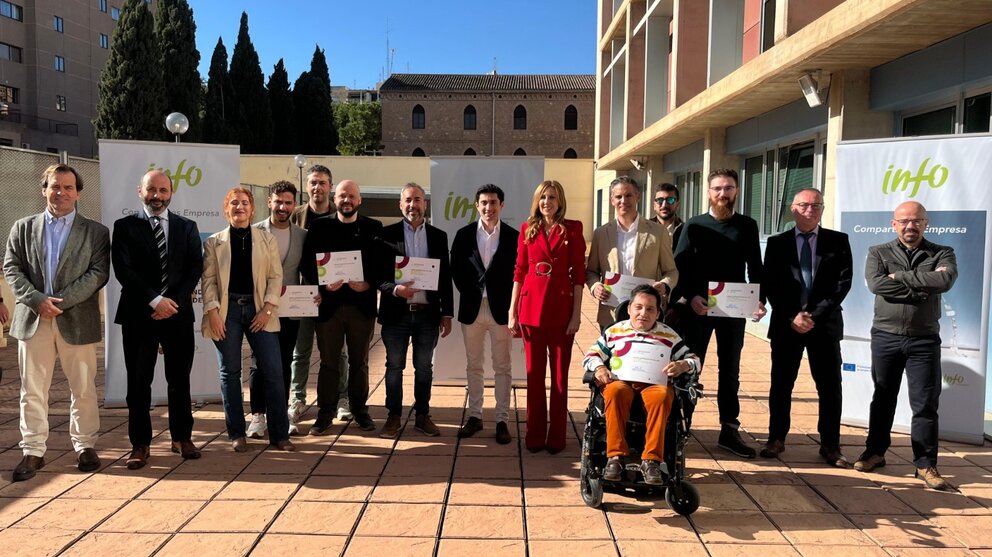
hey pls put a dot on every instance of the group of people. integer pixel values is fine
(527, 283)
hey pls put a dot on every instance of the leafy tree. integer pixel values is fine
(253, 119)
(131, 102)
(359, 127)
(178, 58)
(219, 98)
(315, 130)
(281, 104)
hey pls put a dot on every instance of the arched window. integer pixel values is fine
(470, 152)
(418, 152)
(468, 118)
(519, 152)
(570, 154)
(520, 117)
(419, 118)
(571, 118)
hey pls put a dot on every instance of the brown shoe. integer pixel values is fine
(139, 457)
(391, 429)
(867, 462)
(187, 449)
(87, 460)
(28, 467)
(932, 478)
(240, 445)
(833, 457)
(772, 449)
(286, 445)
(424, 425)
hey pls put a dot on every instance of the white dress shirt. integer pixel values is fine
(487, 246)
(626, 247)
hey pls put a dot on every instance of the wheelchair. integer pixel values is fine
(682, 496)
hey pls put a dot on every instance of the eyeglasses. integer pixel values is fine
(804, 206)
(664, 200)
(907, 222)
(723, 189)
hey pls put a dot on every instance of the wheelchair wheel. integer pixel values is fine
(591, 489)
(683, 498)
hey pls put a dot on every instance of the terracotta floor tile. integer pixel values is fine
(366, 443)
(393, 547)
(110, 544)
(485, 492)
(489, 548)
(424, 446)
(44, 485)
(335, 488)
(816, 475)
(566, 523)
(317, 517)
(484, 444)
(929, 552)
(217, 459)
(552, 493)
(736, 527)
(487, 467)
(282, 462)
(639, 548)
(864, 500)
(930, 502)
(906, 531)
(981, 495)
(747, 550)
(551, 468)
(184, 488)
(724, 497)
(423, 466)
(399, 520)
(234, 516)
(570, 548)
(649, 522)
(151, 516)
(835, 550)
(288, 545)
(342, 464)
(98, 486)
(972, 531)
(261, 486)
(29, 542)
(785, 477)
(208, 545)
(12, 510)
(65, 514)
(483, 522)
(788, 499)
(410, 490)
(819, 529)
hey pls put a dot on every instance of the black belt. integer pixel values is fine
(417, 307)
(242, 299)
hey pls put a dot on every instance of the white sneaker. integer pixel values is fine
(296, 410)
(257, 427)
(344, 410)
(294, 429)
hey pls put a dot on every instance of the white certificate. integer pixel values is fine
(733, 299)
(297, 301)
(423, 271)
(641, 361)
(339, 265)
(619, 286)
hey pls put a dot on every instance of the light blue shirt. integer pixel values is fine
(56, 234)
(415, 242)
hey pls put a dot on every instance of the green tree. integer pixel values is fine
(281, 104)
(253, 118)
(131, 103)
(359, 127)
(216, 123)
(315, 131)
(178, 59)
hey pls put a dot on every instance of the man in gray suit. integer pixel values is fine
(56, 263)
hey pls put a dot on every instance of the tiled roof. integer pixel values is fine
(487, 82)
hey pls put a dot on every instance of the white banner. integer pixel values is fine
(201, 175)
(949, 175)
(453, 184)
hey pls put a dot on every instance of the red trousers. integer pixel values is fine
(617, 397)
(540, 346)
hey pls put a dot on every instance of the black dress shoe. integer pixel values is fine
(365, 422)
(730, 440)
(138, 458)
(833, 457)
(471, 427)
(187, 449)
(321, 425)
(503, 433)
(87, 460)
(28, 467)
(772, 449)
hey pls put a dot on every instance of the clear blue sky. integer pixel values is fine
(427, 36)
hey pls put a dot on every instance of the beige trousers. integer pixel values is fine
(500, 340)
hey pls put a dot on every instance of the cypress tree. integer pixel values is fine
(178, 59)
(253, 119)
(131, 101)
(315, 129)
(281, 104)
(216, 122)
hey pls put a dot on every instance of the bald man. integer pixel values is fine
(907, 276)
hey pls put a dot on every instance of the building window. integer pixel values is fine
(60, 103)
(9, 95)
(691, 186)
(969, 113)
(6, 142)
(419, 119)
(520, 117)
(103, 6)
(57, 24)
(104, 41)
(418, 152)
(470, 152)
(11, 52)
(520, 152)
(59, 63)
(570, 154)
(934, 122)
(770, 181)
(977, 114)
(468, 118)
(115, 13)
(767, 24)
(571, 118)
(11, 10)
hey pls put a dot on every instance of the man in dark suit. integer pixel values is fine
(158, 259)
(56, 263)
(482, 258)
(412, 316)
(807, 276)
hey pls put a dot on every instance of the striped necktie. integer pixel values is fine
(163, 254)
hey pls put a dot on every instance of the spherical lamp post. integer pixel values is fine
(177, 123)
(301, 162)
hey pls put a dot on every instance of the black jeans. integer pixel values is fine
(824, 367)
(729, 343)
(288, 328)
(352, 328)
(920, 358)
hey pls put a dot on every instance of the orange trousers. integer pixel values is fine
(617, 397)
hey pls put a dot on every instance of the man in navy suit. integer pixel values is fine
(807, 274)
(158, 259)
(483, 255)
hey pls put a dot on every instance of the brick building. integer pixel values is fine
(537, 115)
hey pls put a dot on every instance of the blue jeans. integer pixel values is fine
(422, 332)
(265, 345)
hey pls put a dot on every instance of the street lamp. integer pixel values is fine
(177, 123)
(300, 161)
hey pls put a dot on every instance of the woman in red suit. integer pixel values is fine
(544, 308)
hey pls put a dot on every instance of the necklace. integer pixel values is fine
(241, 237)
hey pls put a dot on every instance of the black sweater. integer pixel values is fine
(710, 250)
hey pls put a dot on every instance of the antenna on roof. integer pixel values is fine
(494, 72)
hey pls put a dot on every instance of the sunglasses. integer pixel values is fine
(664, 200)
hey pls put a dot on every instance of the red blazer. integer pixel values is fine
(548, 270)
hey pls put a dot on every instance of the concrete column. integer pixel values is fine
(634, 107)
(689, 54)
(715, 156)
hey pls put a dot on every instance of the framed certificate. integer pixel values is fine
(619, 286)
(297, 301)
(733, 299)
(339, 265)
(423, 271)
(641, 361)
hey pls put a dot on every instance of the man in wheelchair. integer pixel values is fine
(641, 335)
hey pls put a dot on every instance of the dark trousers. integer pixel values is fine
(352, 328)
(422, 331)
(544, 346)
(140, 343)
(288, 329)
(824, 367)
(729, 343)
(920, 358)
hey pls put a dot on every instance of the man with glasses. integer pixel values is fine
(807, 276)
(719, 246)
(907, 276)
(666, 207)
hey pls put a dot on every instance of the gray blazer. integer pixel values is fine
(290, 263)
(83, 270)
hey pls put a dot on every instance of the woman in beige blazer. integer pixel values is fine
(242, 282)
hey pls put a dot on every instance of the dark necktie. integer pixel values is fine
(806, 267)
(163, 254)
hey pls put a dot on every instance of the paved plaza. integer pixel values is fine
(353, 493)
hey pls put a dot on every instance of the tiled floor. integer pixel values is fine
(352, 493)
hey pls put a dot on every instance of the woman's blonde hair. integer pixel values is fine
(536, 220)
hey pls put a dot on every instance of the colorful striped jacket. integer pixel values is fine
(616, 340)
